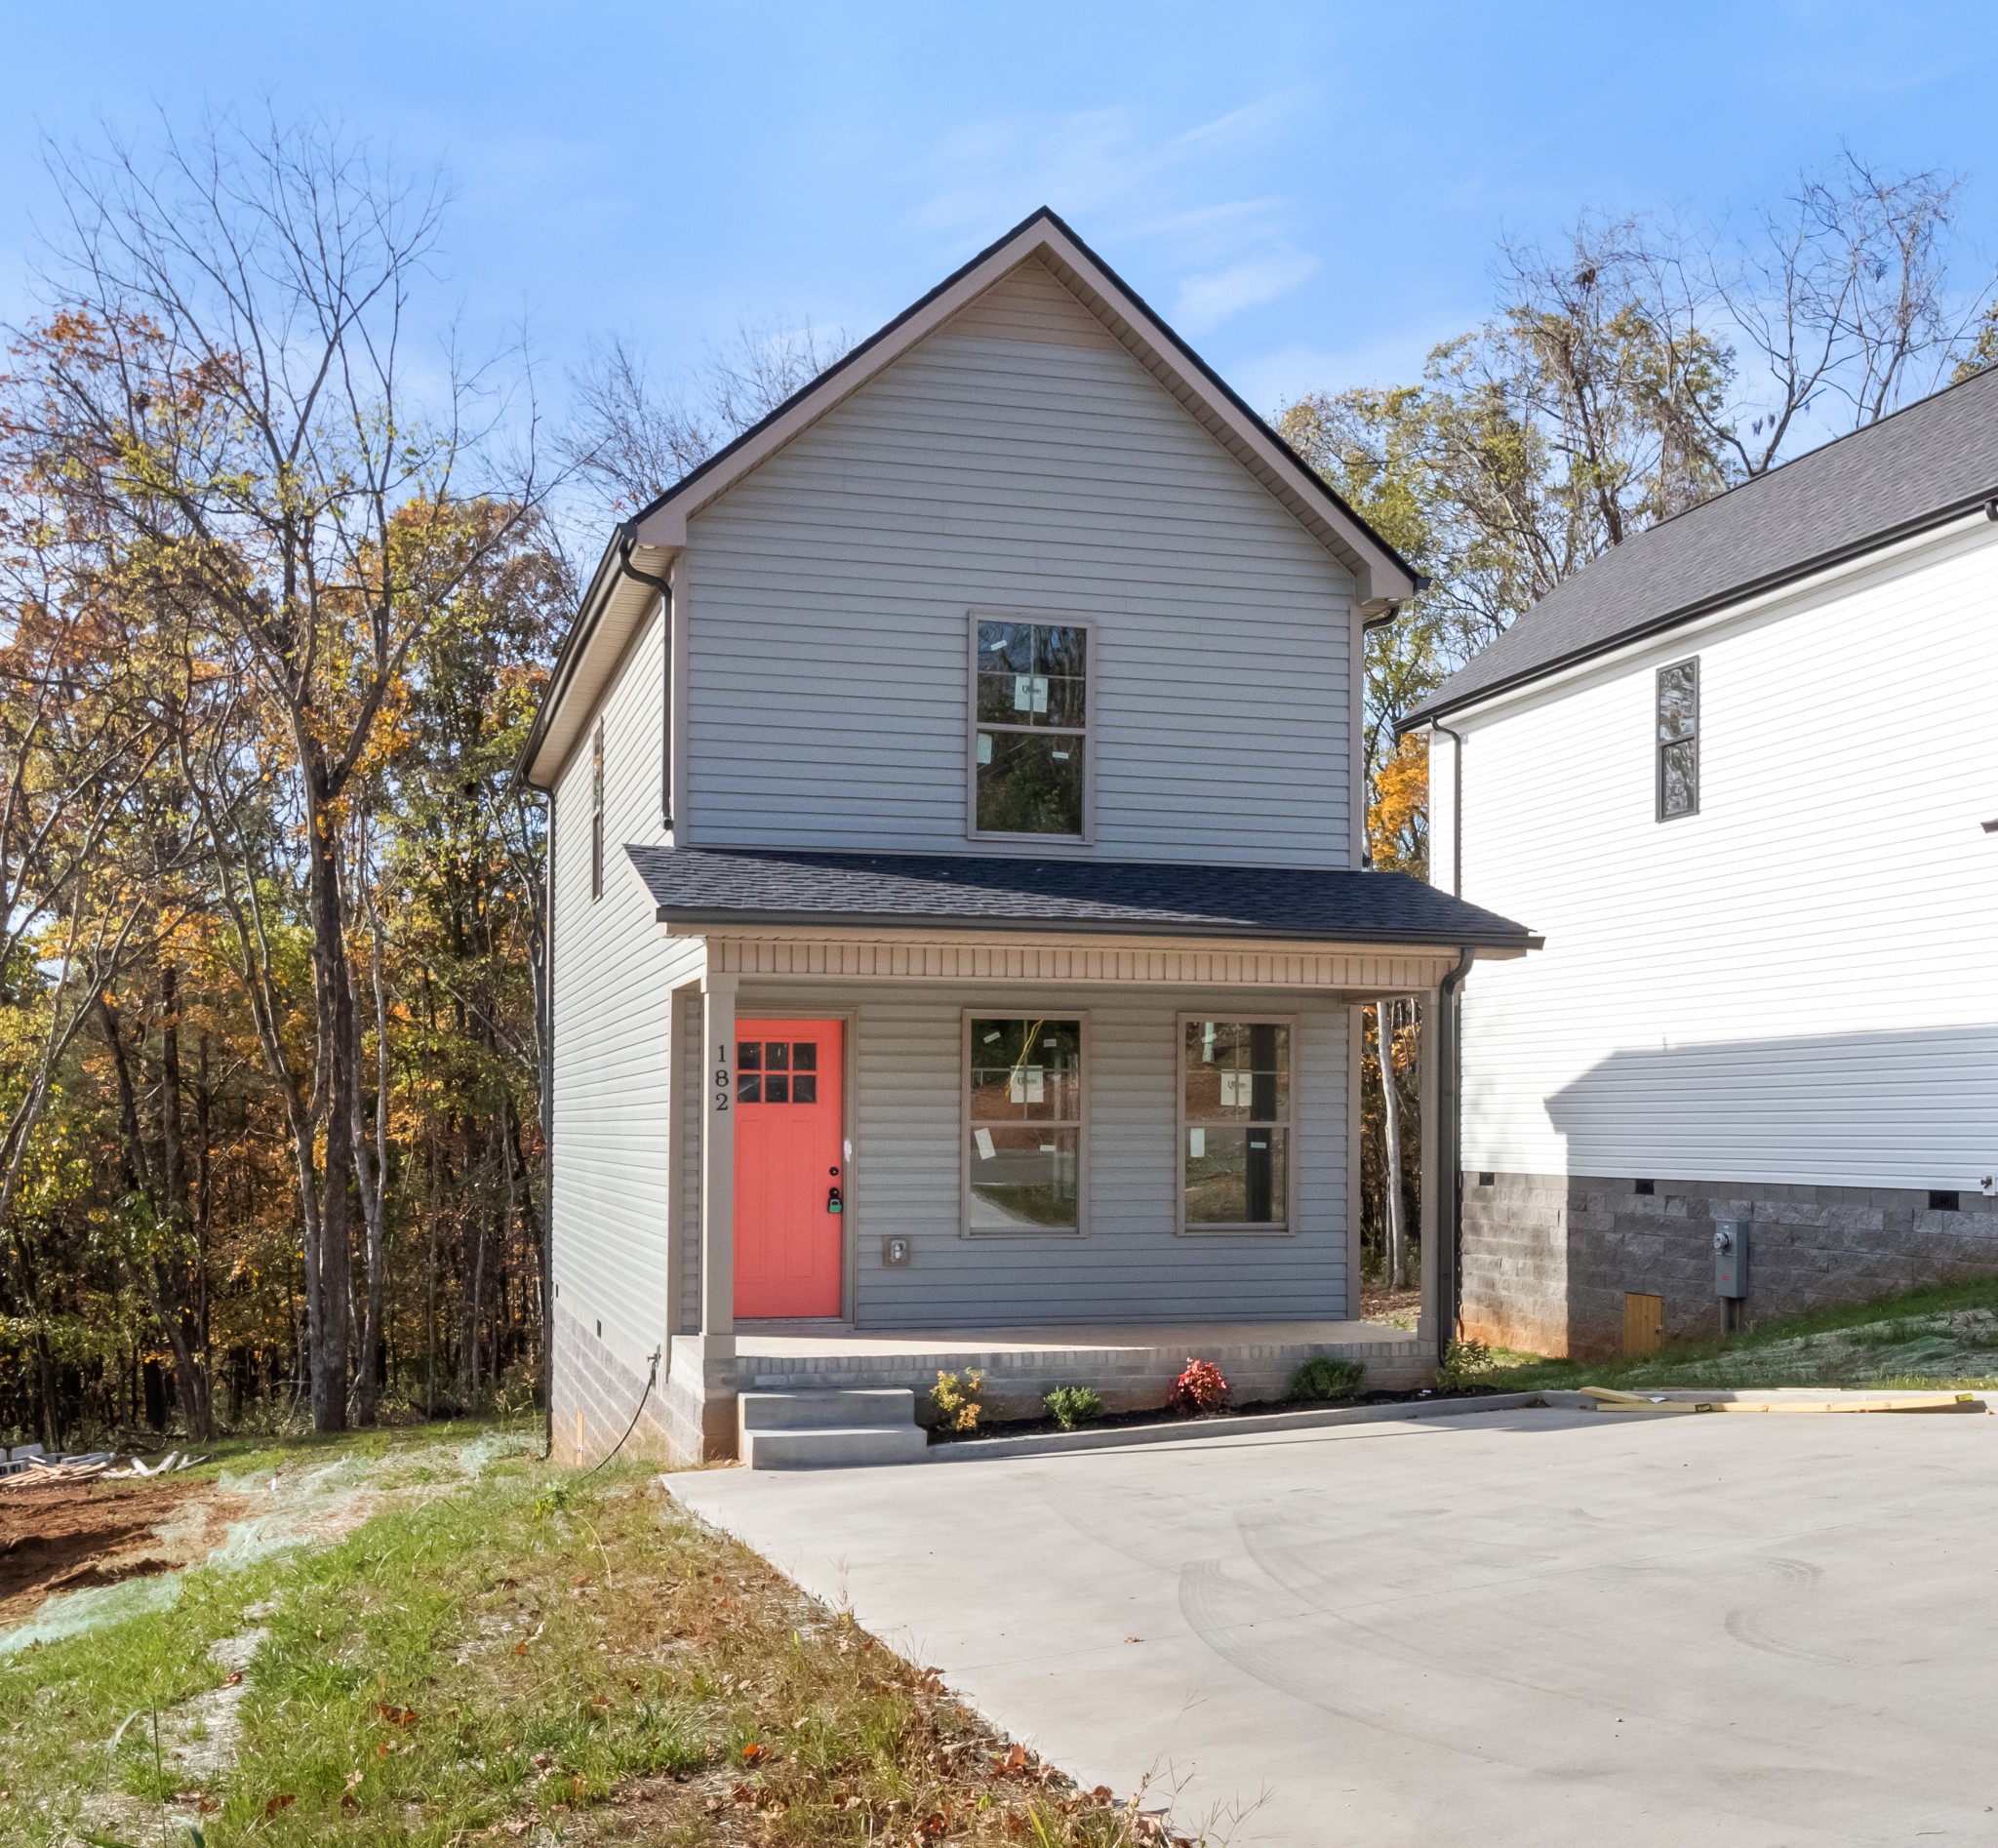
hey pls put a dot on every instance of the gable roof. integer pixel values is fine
(617, 601)
(1933, 461)
(707, 886)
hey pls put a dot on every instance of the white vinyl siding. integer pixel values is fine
(1796, 985)
(827, 597)
(905, 1115)
(613, 976)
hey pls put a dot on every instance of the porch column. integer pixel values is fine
(702, 1381)
(718, 1158)
(1428, 1074)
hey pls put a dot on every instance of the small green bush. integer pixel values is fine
(1072, 1407)
(1327, 1378)
(1464, 1363)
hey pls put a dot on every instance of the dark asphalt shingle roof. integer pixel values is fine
(1933, 460)
(698, 884)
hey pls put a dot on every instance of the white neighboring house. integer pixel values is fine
(959, 930)
(1742, 773)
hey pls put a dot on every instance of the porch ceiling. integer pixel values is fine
(1043, 958)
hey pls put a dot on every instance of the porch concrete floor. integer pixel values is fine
(1537, 1628)
(793, 1340)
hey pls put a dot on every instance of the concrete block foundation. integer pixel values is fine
(1547, 1258)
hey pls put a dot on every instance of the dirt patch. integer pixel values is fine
(1402, 1309)
(67, 1535)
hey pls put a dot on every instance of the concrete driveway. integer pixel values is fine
(1532, 1627)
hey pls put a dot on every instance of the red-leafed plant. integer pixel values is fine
(1201, 1389)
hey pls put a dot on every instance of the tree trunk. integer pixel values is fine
(189, 1337)
(370, 1168)
(327, 1305)
(1390, 1134)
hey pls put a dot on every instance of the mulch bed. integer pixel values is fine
(1158, 1415)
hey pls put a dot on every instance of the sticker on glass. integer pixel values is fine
(984, 1139)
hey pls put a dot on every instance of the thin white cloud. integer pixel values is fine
(1223, 250)
(1204, 302)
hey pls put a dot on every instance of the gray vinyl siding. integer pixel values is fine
(905, 1117)
(827, 598)
(613, 976)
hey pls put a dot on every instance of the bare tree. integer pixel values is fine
(228, 343)
(632, 435)
(1841, 298)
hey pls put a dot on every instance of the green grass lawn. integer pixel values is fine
(1946, 1336)
(452, 1643)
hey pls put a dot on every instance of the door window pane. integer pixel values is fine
(1235, 1078)
(1024, 1126)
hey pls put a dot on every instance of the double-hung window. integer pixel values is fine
(1023, 1135)
(1029, 728)
(1678, 712)
(1235, 1125)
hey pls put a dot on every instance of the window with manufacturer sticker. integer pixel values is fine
(1029, 728)
(1023, 1126)
(1235, 1113)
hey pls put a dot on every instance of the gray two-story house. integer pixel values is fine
(960, 926)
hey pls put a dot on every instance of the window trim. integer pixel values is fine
(1290, 1229)
(596, 812)
(1658, 743)
(1044, 619)
(1009, 1011)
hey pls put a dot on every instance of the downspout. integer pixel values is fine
(630, 534)
(1450, 1134)
(548, 1146)
(1456, 806)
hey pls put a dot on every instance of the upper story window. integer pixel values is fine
(1030, 711)
(596, 812)
(1679, 740)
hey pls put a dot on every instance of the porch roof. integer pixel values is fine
(699, 885)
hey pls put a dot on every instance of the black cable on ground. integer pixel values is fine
(651, 1379)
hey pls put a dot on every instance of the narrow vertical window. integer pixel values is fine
(1029, 728)
(596, 812)
(1023, 1126)
(1235, 1126)
(1679, 740)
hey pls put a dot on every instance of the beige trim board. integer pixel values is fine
(964, 956)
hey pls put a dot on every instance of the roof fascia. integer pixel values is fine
(1382, 576)
(703, 920)
(610, 612)
(1741, 599)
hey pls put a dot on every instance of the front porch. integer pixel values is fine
(1130, 1364)
(1063, 1123)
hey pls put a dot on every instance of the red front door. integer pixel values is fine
(790, 1168)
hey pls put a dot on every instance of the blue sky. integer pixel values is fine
(1312, 193)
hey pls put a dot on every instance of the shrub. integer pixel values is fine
(956, 1402)
(1073, 1406)
(1200, 1389)
(1327, 1378)
(1464, 1363)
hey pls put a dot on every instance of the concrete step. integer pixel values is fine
(830, 1405)
(832, 1446)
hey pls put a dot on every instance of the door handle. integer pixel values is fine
(833, 1203)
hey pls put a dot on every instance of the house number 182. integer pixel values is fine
(721, 1078)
